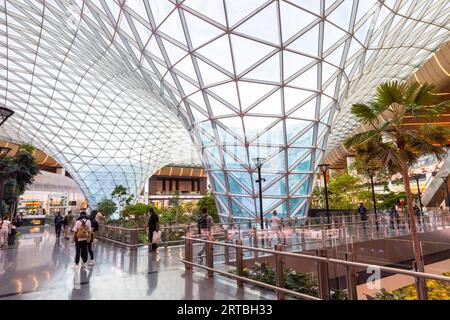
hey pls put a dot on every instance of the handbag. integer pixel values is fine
(156, 238)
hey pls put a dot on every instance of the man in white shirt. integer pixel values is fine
(4, 231)
(82, 230)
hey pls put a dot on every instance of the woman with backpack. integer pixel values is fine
(94, 229)
(82, 230)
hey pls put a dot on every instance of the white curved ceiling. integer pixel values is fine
(115, 89)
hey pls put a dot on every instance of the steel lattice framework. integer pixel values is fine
(116, 89)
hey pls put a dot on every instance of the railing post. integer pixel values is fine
(188, 253)
(279, 268)
(210, 257)
(239, 263)
(227, 253)
(134, 238)
(322, 275)
(421, 286)
(255, 237)
(124, 235)
(351, 278)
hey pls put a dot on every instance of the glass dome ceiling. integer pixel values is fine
(116, 89)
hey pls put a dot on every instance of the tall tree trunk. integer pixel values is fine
(415, 240)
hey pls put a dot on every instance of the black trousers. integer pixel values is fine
(89, 248)
(150, 239)
(58, 230)
(81, 248)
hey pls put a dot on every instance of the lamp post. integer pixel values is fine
(259, 164)
(3, 152)
(372, 172)
(419, 194)
(446, 190)
(324, 169)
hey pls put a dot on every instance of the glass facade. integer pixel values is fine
(116, 89)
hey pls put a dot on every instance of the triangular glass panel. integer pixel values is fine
(247, 52)
(306, 111)
(251, 92)
(307, 80)
(160, 10)
(294, 154)
(303, 166)
(293, 97)
(306, 140)
(200, 31)
(237, 10)
(228, 92)
(173, 28)
(209, 74)
(342, 14)
(294, 127)
(267, 17)
(307, 43)
(212, 9)
(293, 63)
(275, 135)
(331, 35)
(269, 106)
(312, 6)
(277, 189)
(175, 53)
(269, 70)
(293, 19)
(218, 52)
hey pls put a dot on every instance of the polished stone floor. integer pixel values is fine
(41, 268)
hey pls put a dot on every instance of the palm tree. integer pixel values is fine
(395, 145)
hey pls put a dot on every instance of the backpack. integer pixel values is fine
(83, 231)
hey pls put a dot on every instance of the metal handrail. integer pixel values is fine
(328, 260)
(258, 283)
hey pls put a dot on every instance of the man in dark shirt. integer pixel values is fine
(152, 225)
(363, 214)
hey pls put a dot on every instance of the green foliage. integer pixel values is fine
(107, 207)
(296, 281)
(168, 216)
(386, 295)
(135, 211)
(344, 192)
(209, 202)
(19, 172)
(392, 199)
(174, 201)
(120, 193)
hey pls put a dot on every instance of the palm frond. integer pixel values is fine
(426, 95)
(360, 138)
(410, 92)
(389, 93)
(365, 113)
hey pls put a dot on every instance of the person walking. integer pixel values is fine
(152, 226)
(94, 229)
(58, 224)
(65, 224)
(394, 217)
(206, 228)
(82, 230)
(362, 210)
(276, 224)
(5, 228)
